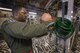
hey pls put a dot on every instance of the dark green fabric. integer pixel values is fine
(18, 35)
(64, 28)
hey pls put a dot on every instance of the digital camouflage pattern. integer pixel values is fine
(44, 44)
(4, 47)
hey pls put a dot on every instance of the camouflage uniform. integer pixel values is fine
(4, 47)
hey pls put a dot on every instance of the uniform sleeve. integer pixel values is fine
(24, 31)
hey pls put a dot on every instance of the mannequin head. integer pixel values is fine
(48, 17)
